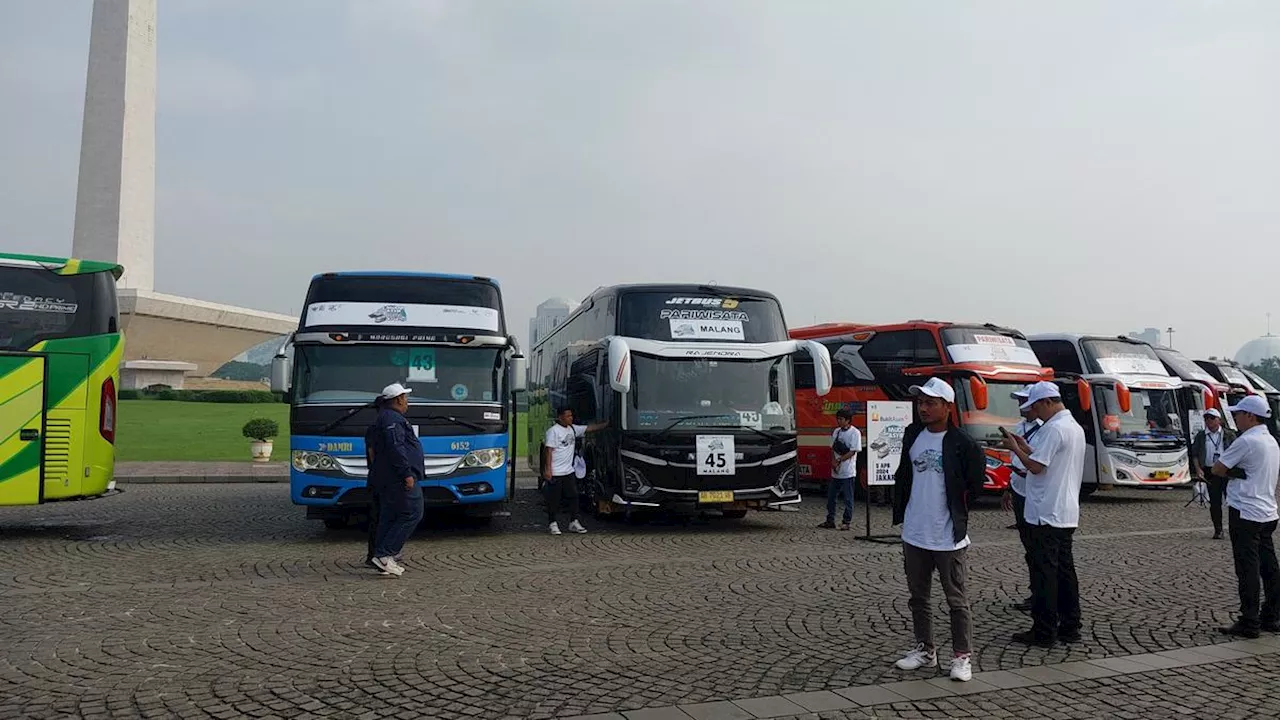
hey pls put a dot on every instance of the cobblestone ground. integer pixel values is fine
(222, 601)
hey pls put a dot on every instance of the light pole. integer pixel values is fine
(1169, 331)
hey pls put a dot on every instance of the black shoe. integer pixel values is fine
(1239, 630)
(1217, 534)
(1271, 627)
(1069, 636)
(1030, 638)
(828, 525)
(1011, 527)
(1022, 605)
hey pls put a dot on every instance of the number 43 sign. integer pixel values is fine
(715, 455)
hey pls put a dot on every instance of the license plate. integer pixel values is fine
(1160, 475)
(715, 496)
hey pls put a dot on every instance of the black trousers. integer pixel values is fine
(375, 509)
(1256, 570)
(561, 491)
(1055, 590)
(1024, 530)
(1217, 490)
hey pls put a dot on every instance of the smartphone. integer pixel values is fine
(1004, 431)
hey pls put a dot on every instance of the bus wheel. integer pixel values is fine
(734, 514)
(336, 522)
(1087, 490)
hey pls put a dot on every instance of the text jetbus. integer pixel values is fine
(442, 336)
(1132, 404)
(695, 382)
(60, 350)
(984, 363)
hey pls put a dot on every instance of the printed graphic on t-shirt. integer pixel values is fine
(929, 460)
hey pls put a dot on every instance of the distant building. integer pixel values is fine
(1150, 335)
(548, 317)
(1259, 349)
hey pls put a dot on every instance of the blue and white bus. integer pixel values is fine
(444, 337)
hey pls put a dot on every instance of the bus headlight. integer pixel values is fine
(304, 460)
(993, 463)
(787, 481)
(633, 482)
(1124, 459)
(491, 458)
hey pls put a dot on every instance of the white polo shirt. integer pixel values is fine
(1255, 452)
(1053, 496)
(853, 439)
(1018, 483)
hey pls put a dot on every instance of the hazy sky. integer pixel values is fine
(1085, 166)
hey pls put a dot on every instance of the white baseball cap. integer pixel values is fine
(393, 391)
(1040, 391)
(1213, 412)
(935, 388)
(1022, 394)
(1252, 404)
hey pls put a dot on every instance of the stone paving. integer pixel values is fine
(222, 601)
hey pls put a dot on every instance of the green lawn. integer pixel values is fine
(165, 430)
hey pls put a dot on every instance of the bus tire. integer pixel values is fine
(734, 514)
(336, 522)
(1087, 490)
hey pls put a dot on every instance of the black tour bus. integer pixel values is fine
(697, 387)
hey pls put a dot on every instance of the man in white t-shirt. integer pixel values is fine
(560, 484)
(846, 443)
(1054, 459)
(941, 468)
(1015, 497)
(1251, 466)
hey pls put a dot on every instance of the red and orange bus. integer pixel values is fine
(984, 363)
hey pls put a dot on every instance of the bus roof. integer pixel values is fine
(822, 330)
(1078, 337)
(61, 265)
(705, 288)
(405, 273)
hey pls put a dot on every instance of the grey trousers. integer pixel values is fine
(953, 571)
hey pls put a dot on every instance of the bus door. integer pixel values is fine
(1087, 421)
(22, 395)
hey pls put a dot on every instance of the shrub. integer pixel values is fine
(129, 395)
(260, 429)
(209, 396)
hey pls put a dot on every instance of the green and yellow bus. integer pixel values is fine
(60, 352)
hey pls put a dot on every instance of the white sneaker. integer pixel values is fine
(961, 669)
(576, 527)
(388, 565)
(555, 528)
(918, 658)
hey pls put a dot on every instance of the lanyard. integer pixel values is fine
(1217, 444)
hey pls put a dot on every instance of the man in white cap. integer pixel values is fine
(396, 475)
(1251, 466)
(1206, 449)
(1015, 497)
(940, 470)
(1054, 460)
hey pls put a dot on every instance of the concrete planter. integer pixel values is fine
(261, 450)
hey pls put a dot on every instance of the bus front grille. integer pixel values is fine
(57, 450)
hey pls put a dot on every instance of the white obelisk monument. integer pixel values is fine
(116, 195)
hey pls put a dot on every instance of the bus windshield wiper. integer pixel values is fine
(344, 417)
(456, 421)
(663, 432)
(762, 433)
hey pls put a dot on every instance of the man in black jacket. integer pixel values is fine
(940, 470)
(1209, 445)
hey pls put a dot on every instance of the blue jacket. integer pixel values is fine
(396, 451)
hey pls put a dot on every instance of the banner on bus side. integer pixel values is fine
(887, 420)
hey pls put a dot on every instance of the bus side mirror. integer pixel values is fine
(619, 365)
(1209, 398)
(280, 374)
(978, 388)
(519, 373)
(1124, 398)
(1086, 395)
(821, 367)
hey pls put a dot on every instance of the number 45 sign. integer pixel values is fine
(715, 455)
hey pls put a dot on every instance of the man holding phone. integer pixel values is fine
(1054, 460)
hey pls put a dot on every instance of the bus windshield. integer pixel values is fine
(38, 305)
(1152, 418)
(701, 317)
(721, 393)
(355, 374)
(1002, 409)
(1118, 357)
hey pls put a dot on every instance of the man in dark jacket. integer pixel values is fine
(1207, 447)
(941, 468)
(396, 472)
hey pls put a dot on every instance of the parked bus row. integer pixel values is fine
(708, 401)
